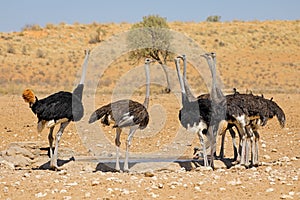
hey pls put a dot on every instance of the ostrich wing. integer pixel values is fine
(57, 106)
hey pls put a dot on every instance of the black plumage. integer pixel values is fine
(58, 106)
(195, 114)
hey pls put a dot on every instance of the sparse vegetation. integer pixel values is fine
(31, 27)
(150, 38)
(60, 47)
(213, 18)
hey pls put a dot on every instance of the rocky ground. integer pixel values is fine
(24, 163)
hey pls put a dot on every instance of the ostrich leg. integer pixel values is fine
(235, 150)
(118, 143)
(255, 151)
(128, 143)
(53, 162)
(50, 139)
(201, 138)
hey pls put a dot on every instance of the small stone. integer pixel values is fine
(153, 195)
(295, 178)
(274, 150)
(72, 184)
(125, 191)
(222, 189)
(270, 190)
(267, 157)
(87, 194)
(5, 189)
(94, 183)
(63, 191)
(285, 196)
(197, 188)
(62, 172)
(109, 190)
(148, 174)
(268, 169)
(40, 194)
(234, 182)
(294, 158)
(160, 185)
(291, 193)
(263, 145)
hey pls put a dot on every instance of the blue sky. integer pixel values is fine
(15, 14)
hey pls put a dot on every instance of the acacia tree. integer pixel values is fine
(151, 38)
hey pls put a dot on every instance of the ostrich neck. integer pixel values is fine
(189, 93)
(212, 68)
(84, 67)
(183, 92)
(147, 72)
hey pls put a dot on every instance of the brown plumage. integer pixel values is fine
(125, 113)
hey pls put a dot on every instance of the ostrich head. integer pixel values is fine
(29, 96)
(277, 111)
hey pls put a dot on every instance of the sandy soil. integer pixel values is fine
(277, 178)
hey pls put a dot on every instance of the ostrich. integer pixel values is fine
(125, 113)
(194, 114)
(227, 112)
(191, 97)
(59, 108)
(259, 110)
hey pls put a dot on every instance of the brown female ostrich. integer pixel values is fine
(259, 110)
(59, 108)
(125, 113)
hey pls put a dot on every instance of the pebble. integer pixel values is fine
(268, 169)
(5, 189)
(72, 184)
(285, 196)
(153, 195)
(270, 190)
(267, 157)
(109, 190)
(87, 195)
(40, 194)
(148, 174)
(63, 191)
(94, 183)
(274, 150)
(197, 188)
(234, 182)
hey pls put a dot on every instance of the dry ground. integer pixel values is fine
(262, 56)
(277, 178)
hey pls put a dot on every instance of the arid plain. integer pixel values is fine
(262, 57)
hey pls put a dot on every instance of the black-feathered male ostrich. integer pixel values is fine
(194, 114)
(125, 113)
(59, 108)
